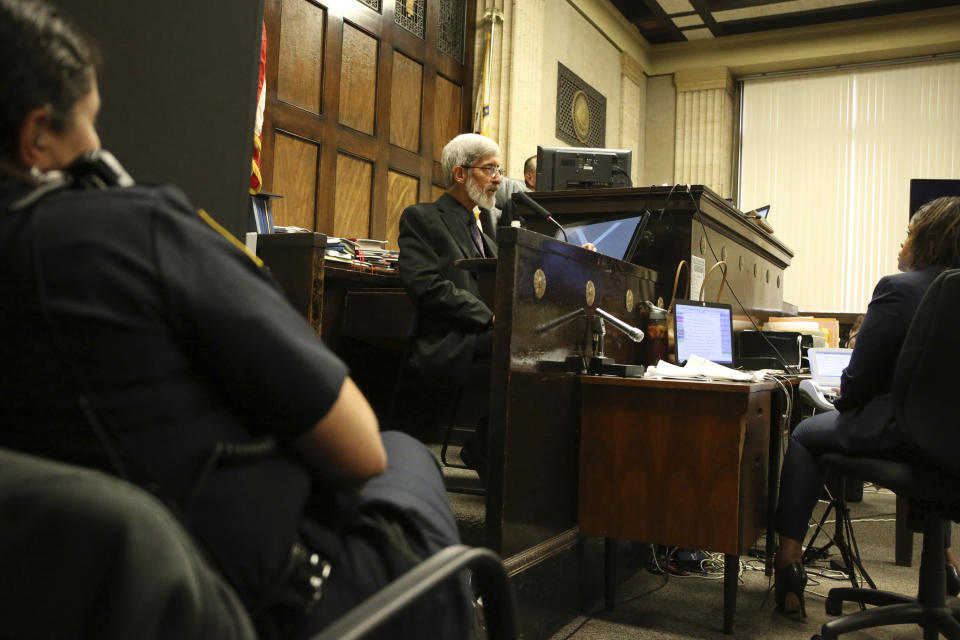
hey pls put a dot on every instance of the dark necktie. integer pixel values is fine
(477, 238)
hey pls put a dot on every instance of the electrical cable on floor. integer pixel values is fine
(591, 616)
(889, 519)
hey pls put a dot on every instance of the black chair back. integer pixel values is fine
(927, 377)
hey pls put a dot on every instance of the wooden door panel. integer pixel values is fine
(358, 80)
(446, 113)
(295, 164)
(364, 17)
(352, 202)
(300, 73)
(360, 102)
(401, 192)
(405, 91)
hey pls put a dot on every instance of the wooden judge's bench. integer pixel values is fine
(692, 224)
(558, 436)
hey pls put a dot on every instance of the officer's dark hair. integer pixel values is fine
(44, 61)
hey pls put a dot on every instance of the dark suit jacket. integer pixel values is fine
(865, 421)
(450, 315)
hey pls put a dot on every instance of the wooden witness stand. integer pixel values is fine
(545, 479)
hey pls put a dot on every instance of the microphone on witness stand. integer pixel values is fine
(521, 196)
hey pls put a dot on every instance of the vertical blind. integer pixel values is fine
(833, 154)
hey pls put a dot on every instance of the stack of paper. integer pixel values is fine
(700, 368)
(375, 253)
(362, 254)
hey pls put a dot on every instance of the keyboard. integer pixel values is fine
(828, 392)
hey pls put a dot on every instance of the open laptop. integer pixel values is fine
(826, 367)
(704, 329)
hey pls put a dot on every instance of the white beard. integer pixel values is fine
(484, 199)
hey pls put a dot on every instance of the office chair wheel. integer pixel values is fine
(816, 636)
(834, 606)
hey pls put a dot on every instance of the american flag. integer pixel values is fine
(256, 181)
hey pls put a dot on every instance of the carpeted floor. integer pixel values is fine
(691, 606)
(469, 506)
(653, 606)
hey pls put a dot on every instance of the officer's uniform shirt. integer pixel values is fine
(125, 299)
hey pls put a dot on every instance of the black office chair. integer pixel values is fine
(84, 554)
(427, 410)
(929, 477)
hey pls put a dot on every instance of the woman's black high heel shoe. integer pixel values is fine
(791, 579)
(953, 581)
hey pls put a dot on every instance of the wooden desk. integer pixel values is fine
(678, 462)
(362, 317)
(336, 300)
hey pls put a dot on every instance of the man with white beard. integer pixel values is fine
(454, 328)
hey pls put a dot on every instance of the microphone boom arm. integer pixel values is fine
(521, 196)
(630, 331)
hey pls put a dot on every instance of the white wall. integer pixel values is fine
(570, 39)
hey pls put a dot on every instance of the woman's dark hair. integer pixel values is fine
(935, 234)
(44, 61)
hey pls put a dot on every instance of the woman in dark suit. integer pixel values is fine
(863, 422)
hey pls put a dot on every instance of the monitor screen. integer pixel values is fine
(581, 168)
(923, 190)
(615, 237)
(704, 329)
(611, 237)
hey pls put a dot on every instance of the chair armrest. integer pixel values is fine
(816, 399)
(492, 581)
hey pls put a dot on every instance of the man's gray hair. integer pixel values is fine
(465, 150)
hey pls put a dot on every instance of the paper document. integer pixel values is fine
(698, 367)
(698, 270)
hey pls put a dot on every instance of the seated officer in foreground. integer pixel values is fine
(141, 341)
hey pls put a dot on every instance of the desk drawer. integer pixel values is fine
(684, 466)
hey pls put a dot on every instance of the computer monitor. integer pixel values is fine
(582, 168)
(704, 329)
(614, 237)
(923, 190)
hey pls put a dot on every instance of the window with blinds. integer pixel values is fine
(833, 153)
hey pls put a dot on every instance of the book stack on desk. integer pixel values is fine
(376, 254)
(362, 254)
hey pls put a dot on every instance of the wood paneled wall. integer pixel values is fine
(358, 110)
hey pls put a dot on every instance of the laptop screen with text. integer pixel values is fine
(704, 329)
(827, 365)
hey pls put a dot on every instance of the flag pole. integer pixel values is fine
(482, 113)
